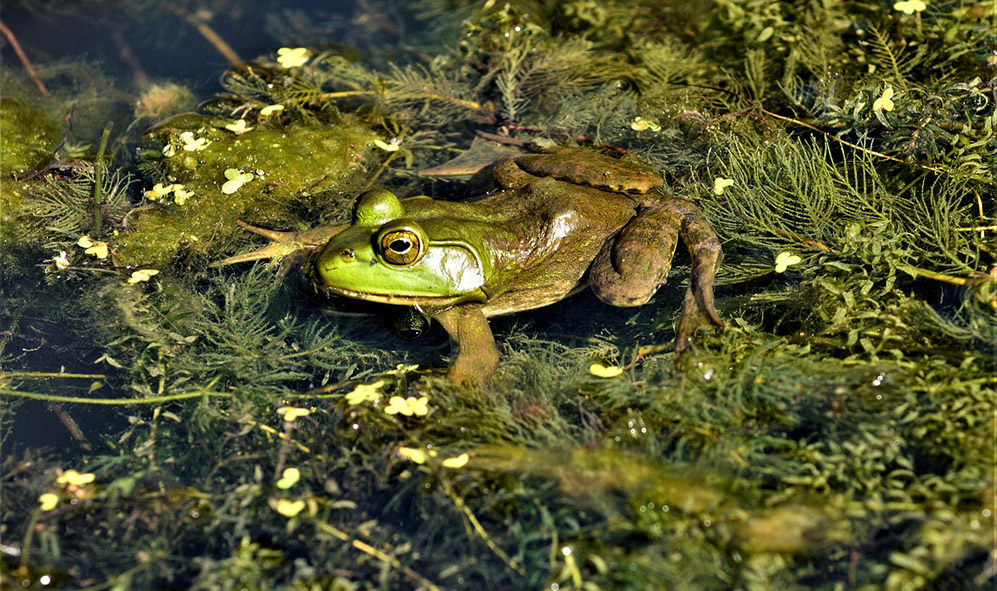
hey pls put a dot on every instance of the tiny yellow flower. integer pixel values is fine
(401, 369)
(61, 262)
(181, 195)
(909, 6)
(292, 57)
(784, 259)
(74, 478)
(239, 127)
(456, 462)
(601, 371)
(417, 455)
(236, 179)
(158, 191)
(191, 143)
(271, 110)
(720, 183)
(408, 406)
(292, 413)
(365, 393)
(142, 275)
(48, 501)
(391, 146)
(169, 150)
(289, 508)
(884, 102)
(99, 250)
(642, 123)
(290, 477)
(96, 248)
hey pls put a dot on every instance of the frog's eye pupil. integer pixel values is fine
(401, 247)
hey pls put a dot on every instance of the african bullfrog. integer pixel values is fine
(559, 221)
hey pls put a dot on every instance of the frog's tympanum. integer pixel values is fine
(559, 221)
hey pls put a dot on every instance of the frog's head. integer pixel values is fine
(387, 256)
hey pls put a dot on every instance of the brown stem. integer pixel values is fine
(209, 35)
(24, 59)
(128, 56)
(74, 429)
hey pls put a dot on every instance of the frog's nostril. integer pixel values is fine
(347, 255)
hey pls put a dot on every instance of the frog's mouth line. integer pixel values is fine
(424, 301)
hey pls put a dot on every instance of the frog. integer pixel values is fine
(557, 222)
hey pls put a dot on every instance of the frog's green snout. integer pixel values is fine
(347, 255)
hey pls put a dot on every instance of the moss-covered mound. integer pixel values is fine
(214, 171)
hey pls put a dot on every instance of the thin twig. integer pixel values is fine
(380, 170)
(112, 401)
(847, 143)
(478, 528)
(128, 56)
(209, 35)
(378, 554)
(51, 374)
(24, 59)
(71, 425)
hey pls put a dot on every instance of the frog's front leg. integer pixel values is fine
(631, 268)
(476, 353)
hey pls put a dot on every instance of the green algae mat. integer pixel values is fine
(170, 423)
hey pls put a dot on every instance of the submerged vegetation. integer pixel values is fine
(228, 432)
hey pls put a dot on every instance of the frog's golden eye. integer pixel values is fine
(400, 247)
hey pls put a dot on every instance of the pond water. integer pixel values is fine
(180, 411)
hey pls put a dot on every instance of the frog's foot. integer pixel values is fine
(579, 167)
(292, 246)
(630, 269)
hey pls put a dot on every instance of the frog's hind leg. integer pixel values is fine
(698, 309)
(631, 268)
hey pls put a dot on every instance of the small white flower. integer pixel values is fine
(885, 101)
(292, 57)
(391, 146)
(96, 248)
(271, 110)
(643, 123)
(192, 143)
(720, 183)
(603, 371)
(236, 179)
(909, 6)
(61, 262)
(239, 127)
(784, 260)
(142, 275)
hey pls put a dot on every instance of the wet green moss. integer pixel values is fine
(28, 136)
(297, 168)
